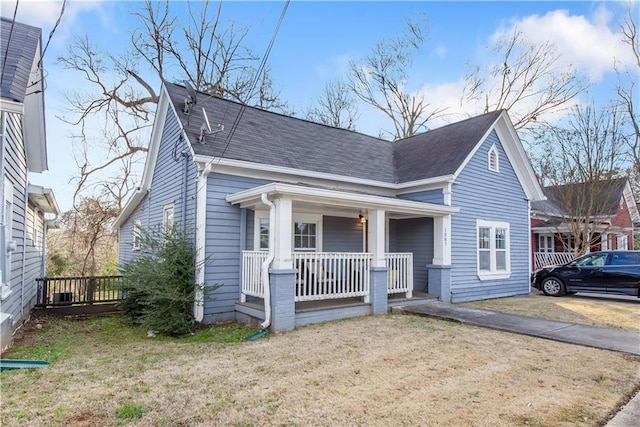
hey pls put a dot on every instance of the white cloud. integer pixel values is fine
(590, 44)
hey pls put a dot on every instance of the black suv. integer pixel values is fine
(612, 272)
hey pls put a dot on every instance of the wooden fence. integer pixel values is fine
(65, 291)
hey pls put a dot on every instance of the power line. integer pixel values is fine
(243, 107)
(64, 2)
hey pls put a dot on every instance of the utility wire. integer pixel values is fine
(13, 22)
(64, 2)
(259, 72)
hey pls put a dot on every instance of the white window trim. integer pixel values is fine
(166, 208)
(622, 242)
(493, 151)
(297, 217)
(493, 274)
(137, 234)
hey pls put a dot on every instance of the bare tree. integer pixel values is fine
(579, 169)
(84, 243)
(122, 102)
(528, 82)
(335, 107)
(380, 81)
(627, 92)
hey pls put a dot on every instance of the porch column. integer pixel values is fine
(439, 272)
(378, 273)
(442, 240)
(282, 229)
(376, 224)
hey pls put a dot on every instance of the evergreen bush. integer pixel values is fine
(159, 285)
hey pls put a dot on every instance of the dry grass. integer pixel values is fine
(582, 309)
(374, 371)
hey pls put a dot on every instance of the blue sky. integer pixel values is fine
(317, 40)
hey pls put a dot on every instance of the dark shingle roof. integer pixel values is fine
(274, 139)
(440, 151)
(22, 44)
(601, 198)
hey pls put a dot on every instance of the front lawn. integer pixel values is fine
(380, 370)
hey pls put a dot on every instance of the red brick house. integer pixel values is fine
(608, 207)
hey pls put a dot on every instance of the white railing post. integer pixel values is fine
(251, 278)
(543, 259)
(400, 275)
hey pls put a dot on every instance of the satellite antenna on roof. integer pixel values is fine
(190, 99)
(205, 129)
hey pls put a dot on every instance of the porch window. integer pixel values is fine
(493, 250)
(307, 232)
(545, 243)
(304, 236)
(263, 235)
(623, 242)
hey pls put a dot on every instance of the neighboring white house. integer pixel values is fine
(23, 225)
(302, 223)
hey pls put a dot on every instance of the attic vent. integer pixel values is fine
(494, 159)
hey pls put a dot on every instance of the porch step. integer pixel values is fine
(418, 298)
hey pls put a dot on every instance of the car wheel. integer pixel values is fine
(553, 287)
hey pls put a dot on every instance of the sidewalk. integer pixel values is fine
(590, 336)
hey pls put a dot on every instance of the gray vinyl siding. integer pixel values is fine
(416, 236)
(222, 244)
(340, 234)
(33, 261)
(486, 195)
(15, 170)
(167, 186)
(430, 196)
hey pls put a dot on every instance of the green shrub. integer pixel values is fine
(160, 285)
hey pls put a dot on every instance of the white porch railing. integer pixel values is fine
(251, 280)
(400, 275)
(331, 275)
(542, 259)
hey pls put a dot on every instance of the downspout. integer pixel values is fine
(267, 262)
(201, 234)
(184, 191)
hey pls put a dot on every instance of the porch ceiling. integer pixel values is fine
(314, 199)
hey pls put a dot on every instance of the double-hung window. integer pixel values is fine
(306, 233)
(494, 259)
(137, 235)
(167, 217)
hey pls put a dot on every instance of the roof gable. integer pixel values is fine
(568, 199)
(441, 151)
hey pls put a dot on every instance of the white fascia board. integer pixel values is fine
(150, 162)
(516, 154)
(271, 172)
(9, 106)
(43, 198)
(35, 134)
(340, 198)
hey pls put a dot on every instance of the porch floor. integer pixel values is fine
(418, 297)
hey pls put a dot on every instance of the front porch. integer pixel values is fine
(330, 286)
(297, 274)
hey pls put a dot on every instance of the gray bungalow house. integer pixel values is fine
(303, 223)
(23, 225)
